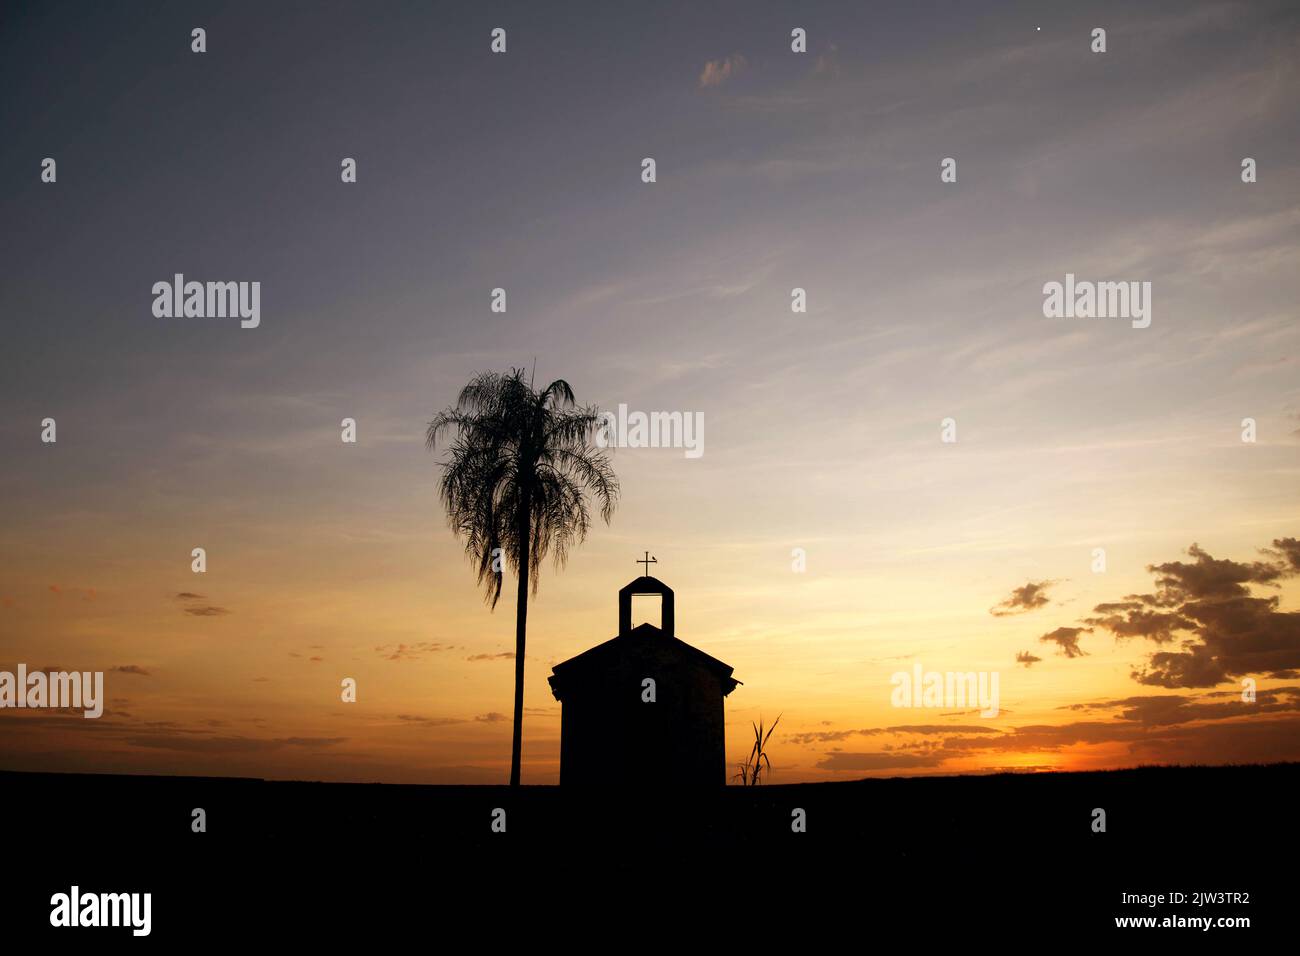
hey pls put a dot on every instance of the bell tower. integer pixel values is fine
(645, 585)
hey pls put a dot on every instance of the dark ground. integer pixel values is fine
(922, 860)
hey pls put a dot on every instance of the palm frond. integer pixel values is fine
(520, 471)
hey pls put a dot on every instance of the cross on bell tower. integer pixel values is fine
(647, 561)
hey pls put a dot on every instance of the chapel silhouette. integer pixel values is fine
(612, 734)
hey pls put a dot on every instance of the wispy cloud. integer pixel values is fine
(717, 72)
(207, 610)
(410, 652)
(1067, 639)
(1027, 597)
(199, 610)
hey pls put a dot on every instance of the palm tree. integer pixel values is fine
(516, 485)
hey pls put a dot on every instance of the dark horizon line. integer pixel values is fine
(1028, 772)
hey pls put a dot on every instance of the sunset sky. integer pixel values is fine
(775, 170)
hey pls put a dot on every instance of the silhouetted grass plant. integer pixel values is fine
(752, 770)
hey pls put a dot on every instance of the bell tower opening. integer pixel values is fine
(648, 609)
(647, 589)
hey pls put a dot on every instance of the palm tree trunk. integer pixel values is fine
(521, 626)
